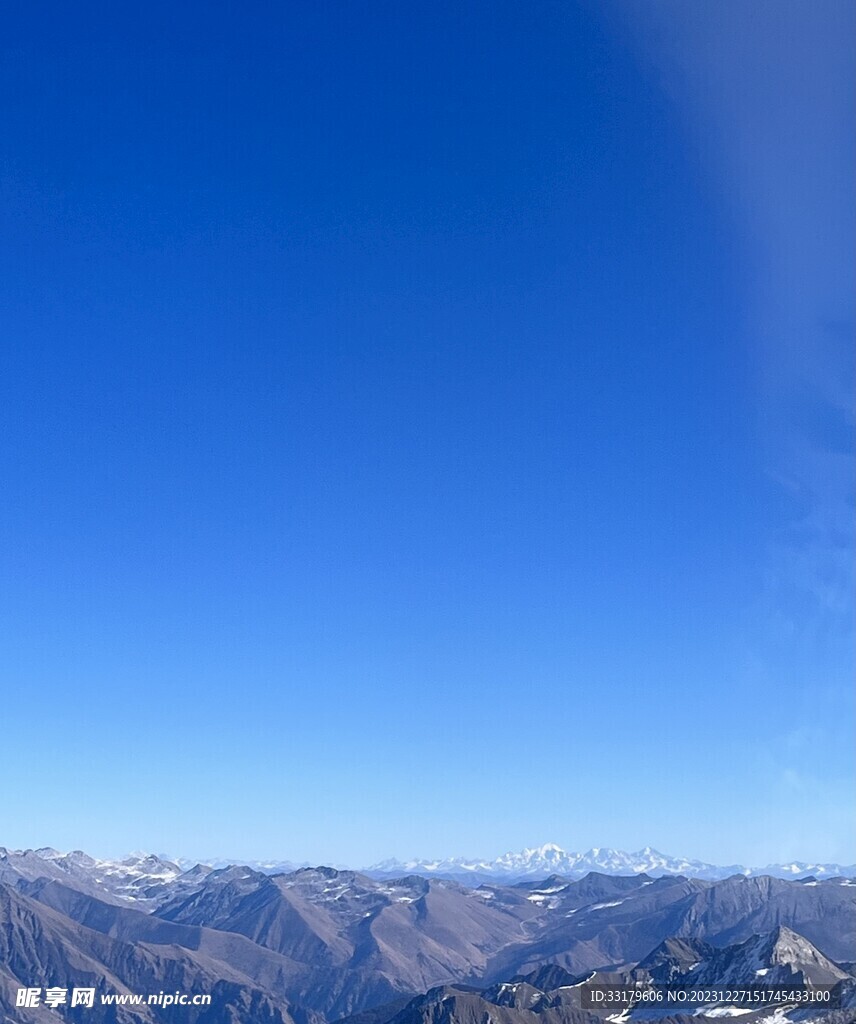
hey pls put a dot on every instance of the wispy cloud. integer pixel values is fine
(766, 93)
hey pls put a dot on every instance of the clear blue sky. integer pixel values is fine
(426, 428)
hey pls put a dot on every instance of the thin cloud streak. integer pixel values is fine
(766, 89)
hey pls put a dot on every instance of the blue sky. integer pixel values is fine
(428, 429)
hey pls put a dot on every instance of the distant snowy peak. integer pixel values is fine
(800, 869)
(266, 867)
(550, 859)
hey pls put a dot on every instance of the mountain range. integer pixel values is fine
(317, 944)
(540, 861)
(145, 879)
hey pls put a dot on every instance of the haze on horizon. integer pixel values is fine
(428, 430)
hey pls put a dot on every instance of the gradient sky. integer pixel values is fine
(427, 428)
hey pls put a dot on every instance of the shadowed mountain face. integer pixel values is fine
(319, 944)
(41, 947)
(674, 958)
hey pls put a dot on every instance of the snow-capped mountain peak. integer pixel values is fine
(550, 858)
